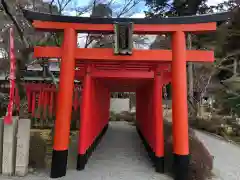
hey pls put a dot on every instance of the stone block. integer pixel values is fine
(22, 151)
(9, 147)
(1, 143)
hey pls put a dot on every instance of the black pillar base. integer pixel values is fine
(82, 159)
(181, 166)
(158, 162)
(59, 163)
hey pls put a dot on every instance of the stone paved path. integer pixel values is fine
(121, 156)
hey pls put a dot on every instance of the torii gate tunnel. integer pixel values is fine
(142, 71)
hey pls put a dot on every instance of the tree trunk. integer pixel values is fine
(200, 111)
(235, 66)
(190, 72)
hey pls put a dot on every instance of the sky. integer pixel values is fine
(214, 2)
(209, 2)
(138, 14)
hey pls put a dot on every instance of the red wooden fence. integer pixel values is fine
(42, 100)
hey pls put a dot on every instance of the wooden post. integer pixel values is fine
(158, 119)
(179, 106)
(33, 104)
(85, 118)
(51, 105)
(64, 105)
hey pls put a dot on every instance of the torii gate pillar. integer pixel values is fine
(64, 104)
(179, 106)
(158, 118)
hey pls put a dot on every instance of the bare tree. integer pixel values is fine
(108, 9)
(26, 37)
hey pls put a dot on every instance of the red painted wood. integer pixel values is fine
(124, 74)
(33, 104)
(144, 109)
(51, 104)
(158, 114)
(39, 107)
(138, 28)
(103, 71)
(99, 101)
(29, 100)
(179, 95)
(12, 76)
(17, 100)
(46, 95)
(107, 55)
(65, 91)
(84, 132)
(45, 104)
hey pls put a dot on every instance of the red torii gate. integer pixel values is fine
(145, 72)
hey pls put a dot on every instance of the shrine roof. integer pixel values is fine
(206, 18)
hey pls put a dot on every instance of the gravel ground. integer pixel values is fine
(120, 155)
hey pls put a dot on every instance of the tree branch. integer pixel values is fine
(126, 7)
(234, 53)
(65, 5)
(18, 27)
(110, 2)
(88, 42)
(52, 77)
(50, 6)
(82, 10)
(60, 6)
